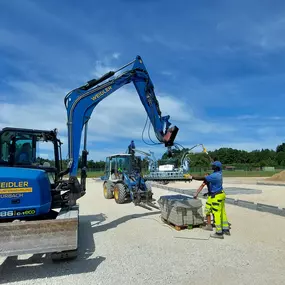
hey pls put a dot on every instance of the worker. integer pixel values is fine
(25, 154)
(216, 200)
(131, 147)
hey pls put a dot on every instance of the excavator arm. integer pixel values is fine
(81, 102)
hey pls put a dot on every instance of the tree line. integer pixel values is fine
(91, 164)
(235, 157)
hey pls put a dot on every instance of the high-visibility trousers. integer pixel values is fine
(216, 205)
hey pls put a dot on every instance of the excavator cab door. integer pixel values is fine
(107, 173)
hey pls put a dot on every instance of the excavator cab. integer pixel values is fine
(27, 179)
(27, 148)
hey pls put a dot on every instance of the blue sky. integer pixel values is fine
(218, 68)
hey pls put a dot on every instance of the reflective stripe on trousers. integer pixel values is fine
(216, 206)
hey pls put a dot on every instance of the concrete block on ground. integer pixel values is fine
(246, 204)
(189, 192)
(181, 210)
(177, 190)
(269, 209)
(282, 212)
(231, 201)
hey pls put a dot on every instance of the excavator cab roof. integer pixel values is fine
(7, 133)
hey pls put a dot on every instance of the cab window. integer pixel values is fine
(24, 152)
(4, 152)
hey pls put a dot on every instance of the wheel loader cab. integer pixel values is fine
(119, 164)
(123, 180)
(27, 177)
(116, 165)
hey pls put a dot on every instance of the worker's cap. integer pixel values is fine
(217, 164)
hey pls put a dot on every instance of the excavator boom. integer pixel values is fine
(81, 102)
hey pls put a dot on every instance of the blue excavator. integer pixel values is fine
(38, 201)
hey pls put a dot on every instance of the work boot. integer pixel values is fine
(208, 228)
(217, 235)
(227, 232)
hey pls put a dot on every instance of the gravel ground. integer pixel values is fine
(124, 244)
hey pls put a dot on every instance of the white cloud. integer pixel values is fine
(168, 74)
(165, 72)
(276, 118)
(247, 117)
(105, 152)
(165, 42)
(101, 68)
(32, 115)
(116, 55)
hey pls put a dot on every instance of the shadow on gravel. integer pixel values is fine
(115, 223)
(41, 266)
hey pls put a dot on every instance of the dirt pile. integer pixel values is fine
(277, 177)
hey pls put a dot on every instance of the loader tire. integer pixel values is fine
(120, 193)
(108, 190)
